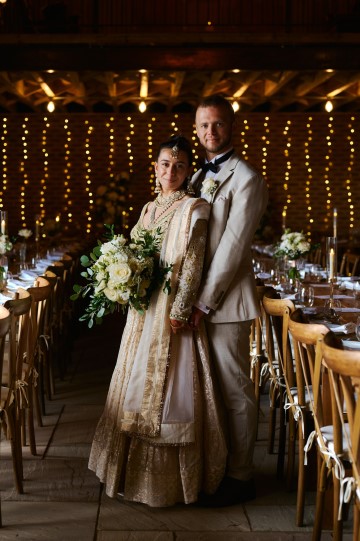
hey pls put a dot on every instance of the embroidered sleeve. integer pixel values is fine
(190, 276)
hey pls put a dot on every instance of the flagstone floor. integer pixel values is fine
(63, 500)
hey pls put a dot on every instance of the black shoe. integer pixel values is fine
(231, 491)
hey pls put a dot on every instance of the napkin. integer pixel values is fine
(347, 328)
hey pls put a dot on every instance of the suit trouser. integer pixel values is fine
(229, 343)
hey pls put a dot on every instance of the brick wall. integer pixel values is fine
(50, 165)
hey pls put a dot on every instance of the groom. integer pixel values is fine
(227, 297)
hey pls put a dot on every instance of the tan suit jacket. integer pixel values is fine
(228, 285)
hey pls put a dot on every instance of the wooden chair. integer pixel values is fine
(258, 359)
(281, 376)
(6, 394)
(305, 337)
(349, 264)
(40, 294)
(14, 373)
(344, 371)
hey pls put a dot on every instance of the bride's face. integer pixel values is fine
(172, 171)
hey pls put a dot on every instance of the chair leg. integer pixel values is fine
(356, 521)
(282, 441)
(272, 421)
(337, 524)
(300, 503)
(320, 499)
(16, 453)
(291, 452)
(30, 422)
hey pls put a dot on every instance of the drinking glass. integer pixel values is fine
(307, 295)
(357, 328)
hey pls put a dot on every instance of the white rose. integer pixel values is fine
(111, 294)
(119, 272)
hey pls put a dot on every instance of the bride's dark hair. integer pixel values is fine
(178, 142)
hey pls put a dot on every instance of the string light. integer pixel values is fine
(328, 167)
(151, 156)
(45, 176)
(266, 142)
(24, 173)
(348, 180)
(307, 144)
(111, 163)
(67, 207)
(4, 163)
(244, 144)
(286, 183)
(88, 175)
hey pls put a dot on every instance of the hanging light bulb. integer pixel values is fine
(51, 107)
(2, 1)
(142, 107)
(329, 106)
(235, 106)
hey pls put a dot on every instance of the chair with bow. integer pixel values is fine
(279, 366)
(14, 374)
(6, 394)
(40, 293)
(344, 373)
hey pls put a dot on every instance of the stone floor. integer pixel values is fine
(63, 500)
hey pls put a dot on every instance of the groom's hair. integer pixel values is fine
(217, 100)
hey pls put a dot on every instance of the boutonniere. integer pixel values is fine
(209, 186)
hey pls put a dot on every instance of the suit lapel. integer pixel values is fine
(222, 177)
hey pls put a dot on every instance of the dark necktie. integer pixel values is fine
(213, 166)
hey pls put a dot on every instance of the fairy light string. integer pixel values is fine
(23, 172)
(348, 180)
(308, 182)
(328, 167)
(4, 160)
(88, 181)
(45, 176)
(67, 174)
(286, 183)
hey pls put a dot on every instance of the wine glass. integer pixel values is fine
(357, 328)
(307, 296)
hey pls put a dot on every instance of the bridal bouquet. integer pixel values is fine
(121, 274)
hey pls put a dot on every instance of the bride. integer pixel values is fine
(159, 440)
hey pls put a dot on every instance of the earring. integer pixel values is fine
(157, 186)
(189, 188)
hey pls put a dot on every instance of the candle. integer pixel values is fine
(3, 227)
(331, 264)
(37, 223)
(284, 219)
(335, 222)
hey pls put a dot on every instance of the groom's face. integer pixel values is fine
(214, 129)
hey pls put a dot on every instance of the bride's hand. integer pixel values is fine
(177, 326)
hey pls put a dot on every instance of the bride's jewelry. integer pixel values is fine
(164, 203)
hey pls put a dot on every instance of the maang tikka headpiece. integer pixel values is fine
(175, 151)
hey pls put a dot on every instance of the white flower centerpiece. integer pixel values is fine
(119, 274)
(24, 234)
(292, 246)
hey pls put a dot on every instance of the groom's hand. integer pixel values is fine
(196, 317)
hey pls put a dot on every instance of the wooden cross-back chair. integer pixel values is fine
(344, 372)
(350, 264)
(15, 373)
(6, 395)
(280, 368)
(313, 392)
(40, 293)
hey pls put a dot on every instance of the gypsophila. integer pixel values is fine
(209, 186)
(119, 274)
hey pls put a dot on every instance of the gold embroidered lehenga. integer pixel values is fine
(159, 440)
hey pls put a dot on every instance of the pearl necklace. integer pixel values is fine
(165, 203)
